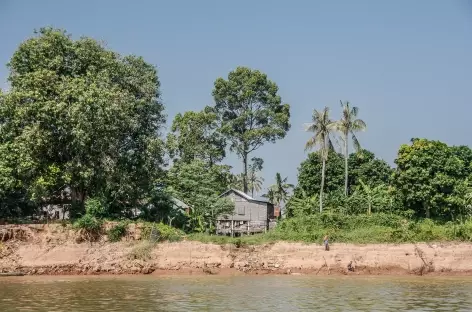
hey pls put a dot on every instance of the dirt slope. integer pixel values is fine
(53, 249)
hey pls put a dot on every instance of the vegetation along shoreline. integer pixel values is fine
(90, 184)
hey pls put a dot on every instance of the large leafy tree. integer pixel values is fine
(322, 128)
(81, 118)
(429, 177)
(251, 112)
(195, 136)
(348, 125)
(309, 174)
(373, 171)
(363, 165)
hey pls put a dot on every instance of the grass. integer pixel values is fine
(117, 232)
(359, 229)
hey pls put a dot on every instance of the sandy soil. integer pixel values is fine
(54, 249)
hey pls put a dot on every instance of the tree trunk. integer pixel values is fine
(346, 155)
(77, 198)
(245, 172)
(427, 210)
(370, 209)
(322, 183)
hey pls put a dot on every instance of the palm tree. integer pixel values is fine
(236, 181)
(281, 189)
(269, 195)
(255, 182)
(349, 124)
(322, 127)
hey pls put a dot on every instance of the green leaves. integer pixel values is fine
(250, 111)
(200, 185)
(429, 176)
(195, 135)
(81, 117)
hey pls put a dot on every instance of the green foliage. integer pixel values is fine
(349, 125)
(89, 224)
(195, 135)
(117, 232)
(95, 208)
(250, 112)
(362, 165)
(164, 232)
(79, 118)
(430, 177)
(322, 128)
(200, 185)
(374, 228)
(279, 192)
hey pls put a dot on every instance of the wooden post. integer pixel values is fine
(232, 226)
(250, 218)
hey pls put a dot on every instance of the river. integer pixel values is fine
(227, 294)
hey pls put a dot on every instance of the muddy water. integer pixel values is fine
(225, 294)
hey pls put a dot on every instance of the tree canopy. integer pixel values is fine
(195, 135)
(82, 118)
(430, 177)
(251, 112)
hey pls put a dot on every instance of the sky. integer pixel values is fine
(407, 65)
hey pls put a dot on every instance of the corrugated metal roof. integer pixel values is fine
(242, 194)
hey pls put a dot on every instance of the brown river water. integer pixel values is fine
(242, 293)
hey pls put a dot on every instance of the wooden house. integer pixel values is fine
(249, 216)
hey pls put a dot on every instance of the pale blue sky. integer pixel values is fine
(406, 64)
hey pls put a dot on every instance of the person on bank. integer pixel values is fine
(326, 242)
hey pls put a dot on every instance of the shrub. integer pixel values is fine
(95, 207)
(117, 232)
(142, 251)
(89, 226)
(464, 231)
(163, 231)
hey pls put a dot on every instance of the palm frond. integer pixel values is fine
(358, 125)
(355, 141)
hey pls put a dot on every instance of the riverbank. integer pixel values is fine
(56, 250)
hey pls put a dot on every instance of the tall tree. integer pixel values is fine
(250, 111)
(349, 125)
(429, 177)
(195, 136)
(80, 117)
(322, 128)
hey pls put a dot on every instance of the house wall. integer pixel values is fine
(245, 210)
(248, 217)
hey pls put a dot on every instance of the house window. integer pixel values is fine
(241, 210)
(56, 214)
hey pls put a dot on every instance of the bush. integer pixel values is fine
(95, 207)
(89, 226)
(117, 232)
(163, 231)
(89, 223)
(142, 251)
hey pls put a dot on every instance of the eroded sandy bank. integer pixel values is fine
(53, 250)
